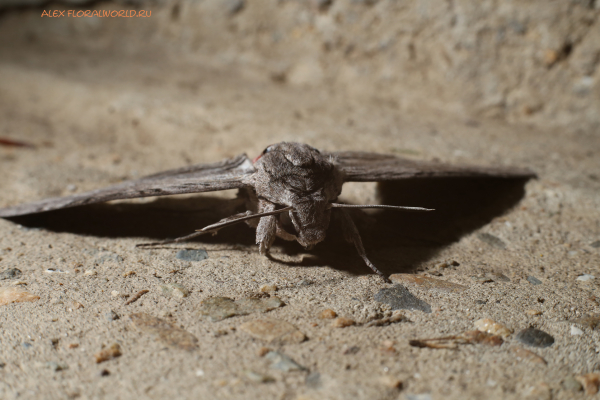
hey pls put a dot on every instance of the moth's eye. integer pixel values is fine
(268, 149)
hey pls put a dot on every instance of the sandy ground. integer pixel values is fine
(97, 118)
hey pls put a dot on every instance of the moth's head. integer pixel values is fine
(298, 175)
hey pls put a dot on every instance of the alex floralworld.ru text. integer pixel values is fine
(96, 13)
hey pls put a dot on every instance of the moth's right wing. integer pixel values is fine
(222, 175)
(374, 167)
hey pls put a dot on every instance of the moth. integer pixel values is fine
(290, 191)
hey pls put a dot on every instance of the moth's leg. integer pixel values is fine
(351, 235)
(266, 230)
(195, 234)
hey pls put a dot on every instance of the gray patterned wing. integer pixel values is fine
(373, 167)
(227, 174)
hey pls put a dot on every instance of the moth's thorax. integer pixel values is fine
(297, 175)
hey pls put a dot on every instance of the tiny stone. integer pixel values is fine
(585, 277)
(10, 273)
(525, 354)
(128, 273)
(112, 316)
(54, 366)
(342, 322)
(27, 345)
(218, 308)
(590, 382)
(399, 298)
(268, 288)
(113, 351)
(90, 272)
(282, 362)
(491, 240)
(480, 301)
(575, 331)
(533, 280)
(327, 314)
(114, 293)
(263, 351)
(15, 295)
(391, 382)
(192, 255)
(535, 337)
(109, 256)
(570, 383)
(596, 244)
(19, 283)
(256, 377)
(165, 331)
(72, 345)
(273, 330)
(313, 380)
(533, 312)
(104, 372)
(427, 282)
(492, 327)
(351, 350)
(174, 290)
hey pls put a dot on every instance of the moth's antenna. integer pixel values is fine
(216, 226)
(339, 205)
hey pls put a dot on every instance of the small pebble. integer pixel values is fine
(27, 345)
(525, 354)
(112, 316)
(282, 362)
(218, 308)
(263, 351)
(115, 293)
(313, 380)
(590, 382)
(256, 377)
(491, 240)
(492, 327)
(54, 366)
(327, 314)
(113, 351)
(533, 280)
(109, 256)
(585, 277)
(596, 244)
(192, 255)
(15, 295)
(342, 322)
(426, 282)
(399, 298)
(72, 345)
(174, 290)
(19, 283)
(533, 313)
(128, 273)
(390, 382)
(350, 350)
(90, 272)
(273, 331)
(535, 337)
(199, 373)
(165, 331)
(572, 384)
(575, 331)
(268, 288)
(104, 372)
(10, 273)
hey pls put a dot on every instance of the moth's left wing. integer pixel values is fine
(222, 175)
(374, 167)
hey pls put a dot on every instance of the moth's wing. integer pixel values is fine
(373, 167)
(227, 174)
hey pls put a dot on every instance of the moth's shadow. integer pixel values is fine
(394, 241)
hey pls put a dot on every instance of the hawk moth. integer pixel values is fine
(290, 190)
